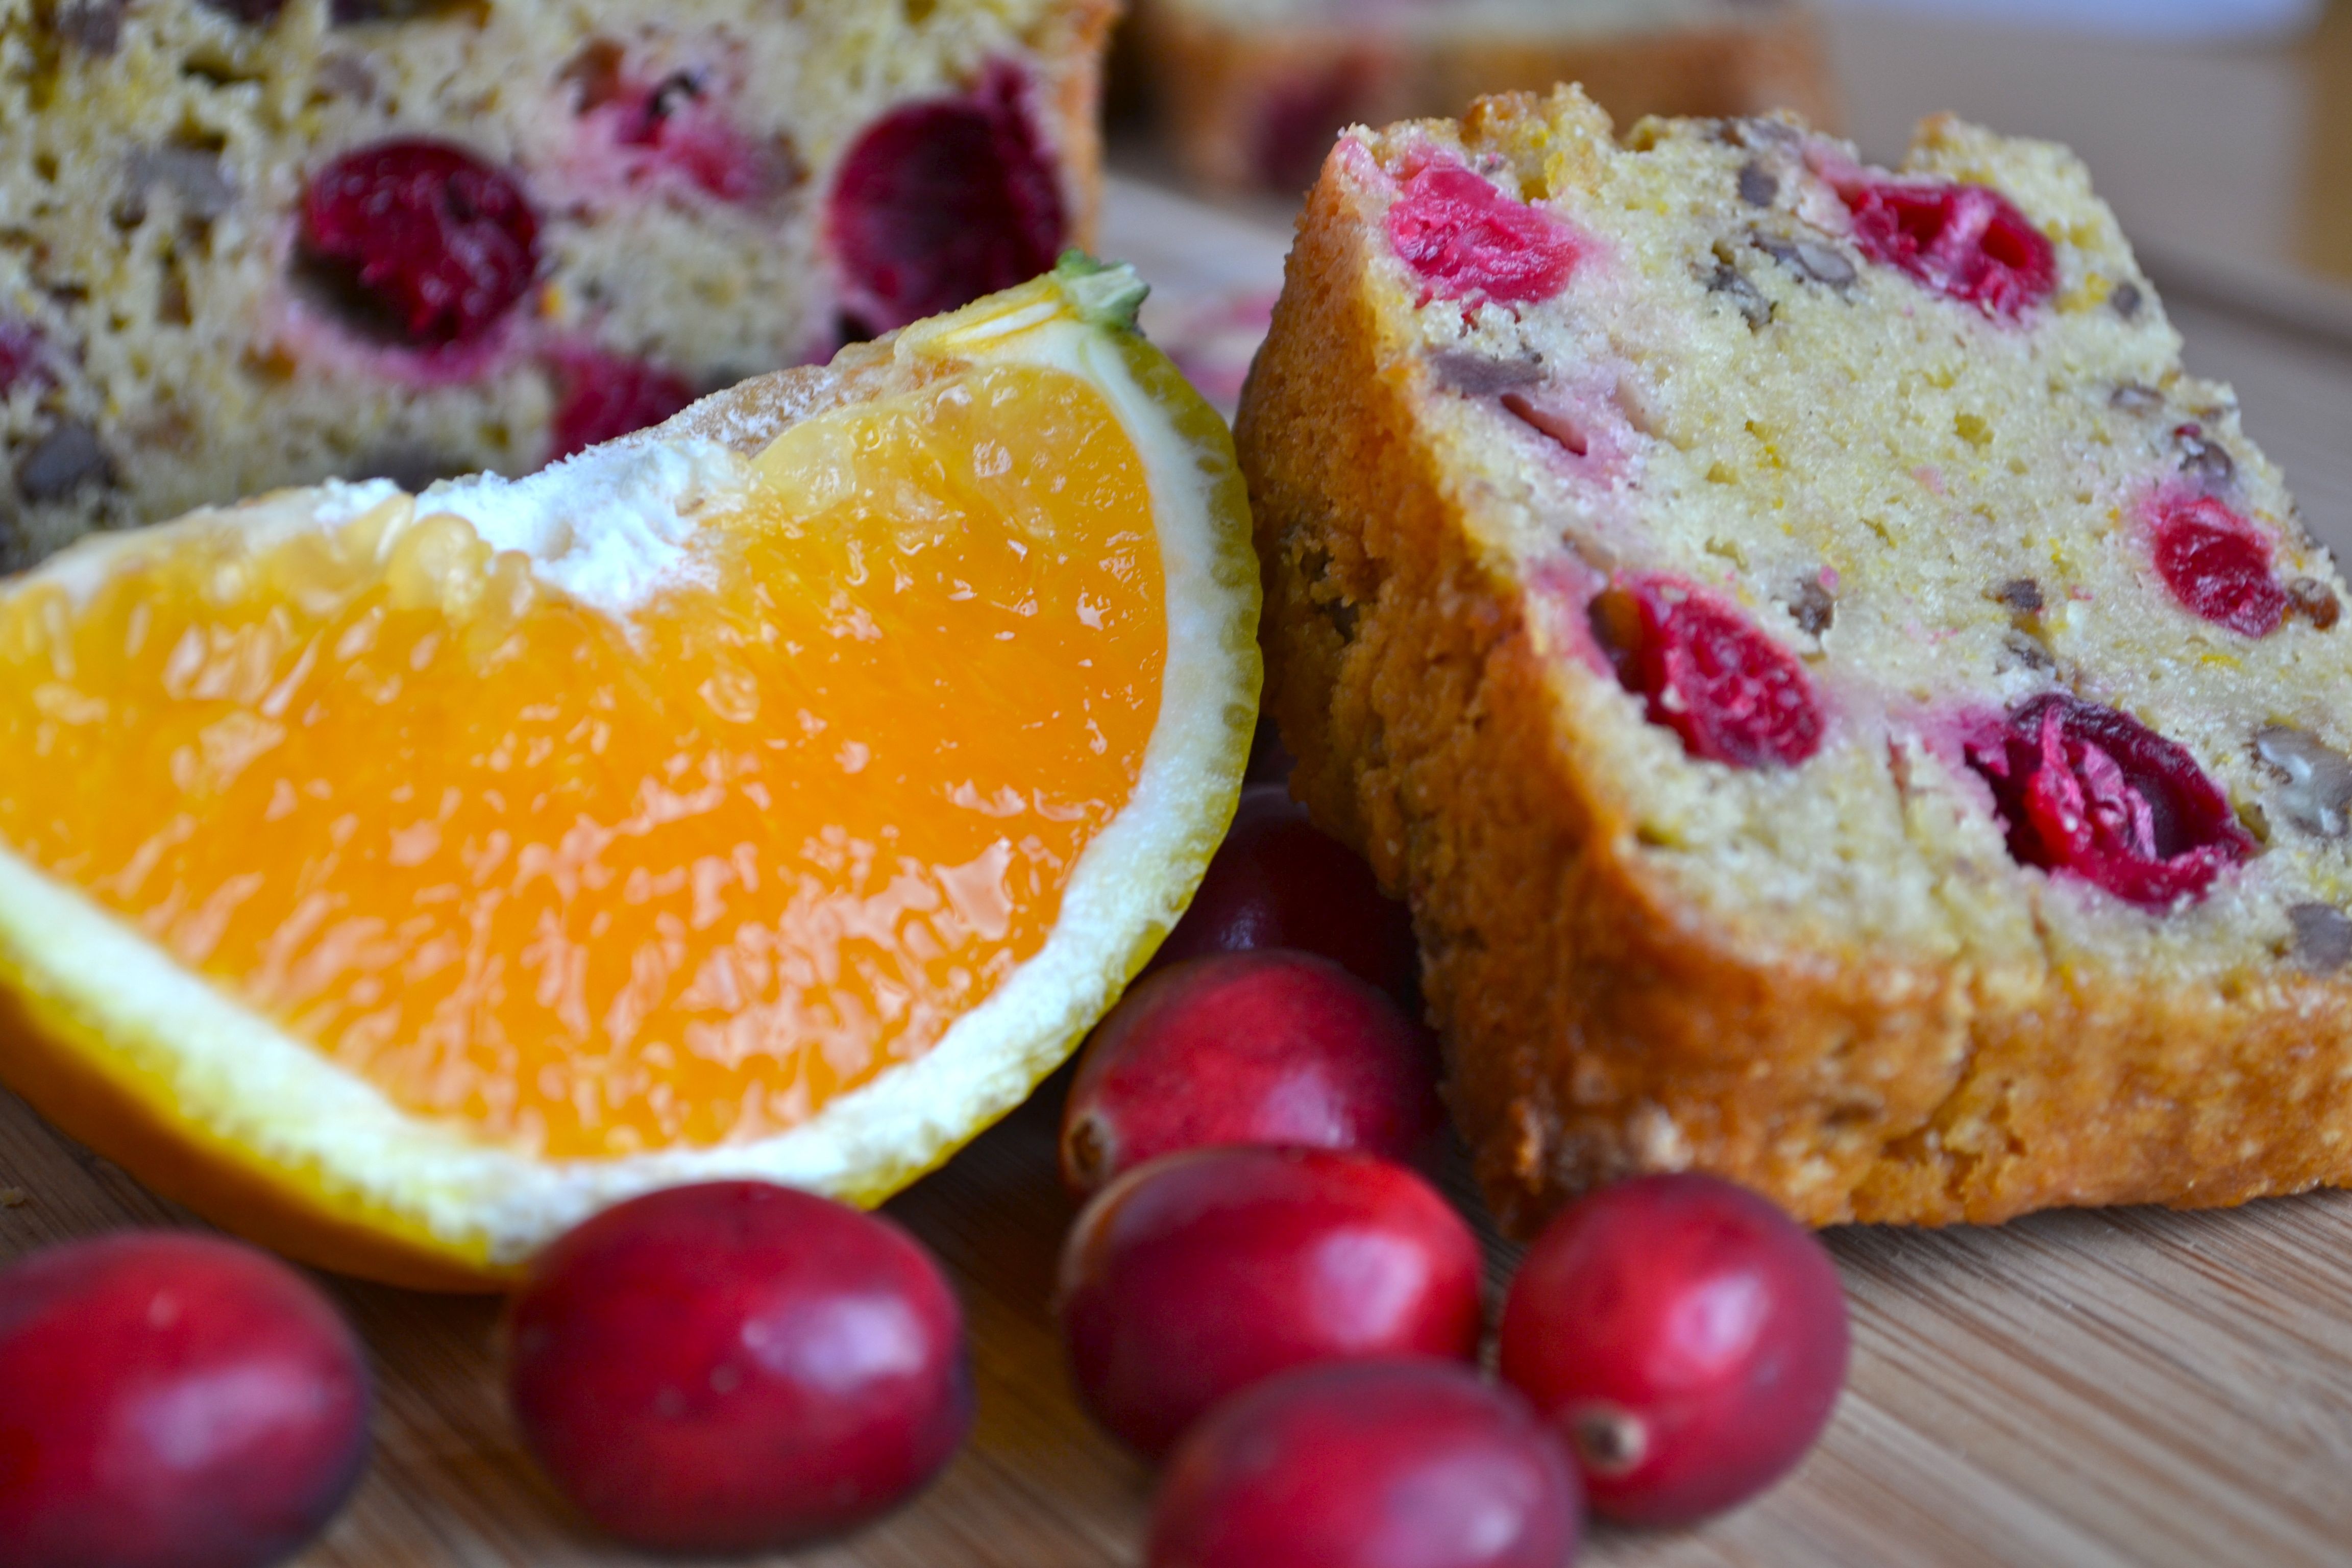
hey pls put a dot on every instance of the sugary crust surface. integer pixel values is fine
(1610, 1007)
(161, 348)
(1227, 89)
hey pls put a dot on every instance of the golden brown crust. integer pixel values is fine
(1211, 82)
(1596, 1024)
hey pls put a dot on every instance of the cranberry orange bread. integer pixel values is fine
(1250, 92)
(260, 242)
(1849, 713)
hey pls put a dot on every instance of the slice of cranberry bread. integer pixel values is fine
(1849, 711)
(1251, 93)
(261, 242)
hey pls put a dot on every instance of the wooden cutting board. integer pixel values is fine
(2119, 1389)
(2113, 1389)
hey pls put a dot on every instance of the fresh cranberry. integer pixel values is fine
(1709, 674)
(423, 237)
(1688, 1337)
(1270, 1047)
(171, 1400)
(1277, 881)
(2218, 566)
(1201, 1272)
(1461, 236)
(941, 202)
(1368, 1464)
(2093, 792)
(1966, 241)
(736, 1367)
(606, 397)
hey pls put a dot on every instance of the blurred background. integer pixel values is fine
(2219, 130)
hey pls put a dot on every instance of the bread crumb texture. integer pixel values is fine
(1848, 711)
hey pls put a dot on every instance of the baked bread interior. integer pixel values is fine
(255, 243)
(1849, 710)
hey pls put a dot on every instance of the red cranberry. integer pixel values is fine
(736, 1367)
(1271, 1047)
(1708, 673)
(423, 237)
(1688, 1337)
(1966, 241)
(2218, 566)
(1368, 1464)
(1277, 882)
(1461, 236)
(606, 397)
(2095, 793)
(941, 202)
(1201, 1273)
(171, 1400)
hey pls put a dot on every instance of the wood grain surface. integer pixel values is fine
(2126, 1387)
(2115, 1388)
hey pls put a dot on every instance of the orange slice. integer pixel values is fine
(784, 792)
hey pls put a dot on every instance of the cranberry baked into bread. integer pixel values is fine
(261, 242)
(1251, 93)
(1850, 713)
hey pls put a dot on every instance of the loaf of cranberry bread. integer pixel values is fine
(253, 243)
(1249, 93)
(1849, 711)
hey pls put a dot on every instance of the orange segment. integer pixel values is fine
(594, 887)
(782, 793)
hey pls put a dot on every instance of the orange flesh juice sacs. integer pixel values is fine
(588, 890)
